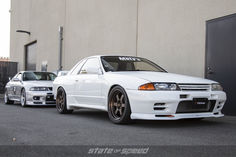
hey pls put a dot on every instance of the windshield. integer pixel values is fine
(126, 63)
(38, 76)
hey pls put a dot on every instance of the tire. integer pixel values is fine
(61, 102)
(118, 106)
(23, 98)
(6, 99)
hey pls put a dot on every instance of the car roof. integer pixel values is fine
(111, 56)
(36, 71)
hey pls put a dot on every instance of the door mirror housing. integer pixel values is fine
(92, 70)
(16, 80)
(62, 73)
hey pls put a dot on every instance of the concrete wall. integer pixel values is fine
(169, 32)
(45, 18)
(42, 18)
(99, 27)
(172, 32)
(20, 13)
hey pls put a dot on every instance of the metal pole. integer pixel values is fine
(60, 48)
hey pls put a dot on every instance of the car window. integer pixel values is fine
(127, 63)
(144, 65)
(29, 76)
(52, 76)
(91, 63)
(19, 76)
(39, 76)
(78, 67)
(15, 76)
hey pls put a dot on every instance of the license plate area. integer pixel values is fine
(200, 102)
(196, 105)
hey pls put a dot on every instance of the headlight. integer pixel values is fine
(216, 87)
(159, 86)
(39, 89)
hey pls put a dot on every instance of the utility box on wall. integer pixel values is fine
(7, 69)
(44, 66)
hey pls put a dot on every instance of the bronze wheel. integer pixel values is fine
(61, 102)
(118, 106)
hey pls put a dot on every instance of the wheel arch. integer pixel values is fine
(22, 89)
(60, 87)
(113, 86)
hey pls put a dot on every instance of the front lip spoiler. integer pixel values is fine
(174, 116)
(41, 103)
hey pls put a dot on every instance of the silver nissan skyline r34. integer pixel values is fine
(30, 88)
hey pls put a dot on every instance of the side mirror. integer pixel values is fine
(9, 78)
(62, 73)
(16, 79)
(93, 71)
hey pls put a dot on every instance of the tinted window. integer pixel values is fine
(126, 63)
(78, 67)
(19, 76)
(91, 63)
(38, 76)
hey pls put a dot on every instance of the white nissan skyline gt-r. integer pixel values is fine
(136, 88)
(30, 88)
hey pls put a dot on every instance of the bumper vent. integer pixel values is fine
(194, 87)
(192, 107)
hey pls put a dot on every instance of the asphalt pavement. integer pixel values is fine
(44, 126)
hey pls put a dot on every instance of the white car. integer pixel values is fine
(136, 88)
(30, 88)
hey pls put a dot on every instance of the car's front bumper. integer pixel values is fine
(40, 98)
(145, 104)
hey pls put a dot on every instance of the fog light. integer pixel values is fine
(36, 97)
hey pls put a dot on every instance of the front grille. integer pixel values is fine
(196, 106)
(194, 87)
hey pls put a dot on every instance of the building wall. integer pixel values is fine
(45, 18)
(99, 27)
(169, 32)
(172, 32)
(20, 12)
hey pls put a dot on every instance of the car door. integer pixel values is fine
(89, 83)
(9, 88)
(13, 90)
(18, 86)
(71, 80)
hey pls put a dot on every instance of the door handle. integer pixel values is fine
(209, 70)
(76, 80)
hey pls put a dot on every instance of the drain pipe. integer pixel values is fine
(60, 48)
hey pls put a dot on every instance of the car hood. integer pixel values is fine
(165, 77)
(38, 83)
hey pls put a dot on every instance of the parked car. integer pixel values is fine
(30, 88)
(136, 88)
